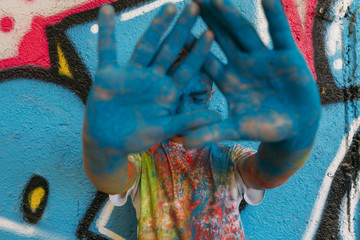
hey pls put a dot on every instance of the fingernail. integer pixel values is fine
(194, 9)
(209, 34)
(170, 8)
(107, 9)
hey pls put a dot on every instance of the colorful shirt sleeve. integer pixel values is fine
(120, 199)
(251, 196)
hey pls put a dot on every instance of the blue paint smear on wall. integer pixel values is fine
(40, 134)
(40, 124)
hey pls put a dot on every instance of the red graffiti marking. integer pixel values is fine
(33, 48)
(302, 31)
(6, 24)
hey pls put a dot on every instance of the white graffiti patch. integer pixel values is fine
(328, 178)
(16, 18)
(26, 230)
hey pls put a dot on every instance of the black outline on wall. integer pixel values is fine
(330, 93)
(81, 83)
(344, 177)
(82, 230)
(31, 216)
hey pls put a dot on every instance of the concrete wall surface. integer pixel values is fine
(48, 58)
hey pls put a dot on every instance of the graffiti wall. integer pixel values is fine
(48, 58)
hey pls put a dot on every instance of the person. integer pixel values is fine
(148, 132)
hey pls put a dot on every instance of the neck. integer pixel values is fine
(177, 139)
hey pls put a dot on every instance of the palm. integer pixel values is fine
(132, 108)
(144, 107)
(264, 88)
(271, 85)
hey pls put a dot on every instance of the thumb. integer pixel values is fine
(192, 120)
(212, 133)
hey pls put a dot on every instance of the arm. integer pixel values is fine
(132, 108)
(275, 162)
(271, 93)
(272, 165)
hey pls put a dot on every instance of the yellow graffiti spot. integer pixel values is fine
(63, 64)
(35, 198)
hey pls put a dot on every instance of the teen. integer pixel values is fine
(149, 135)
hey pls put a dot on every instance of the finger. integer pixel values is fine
(237, 26)
(267, 127)
(146, 46)
(193, 62)
(190, 42)
(278, 25)
(214, 68)
(107, 41)
(192, 120)
(210, 134)
(175, 41)
(222, 36)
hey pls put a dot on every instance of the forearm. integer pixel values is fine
(276, 162)
(273, 164)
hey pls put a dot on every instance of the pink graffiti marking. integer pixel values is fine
(25, 43)
(6, 24)
(302, 30)
(32, 49)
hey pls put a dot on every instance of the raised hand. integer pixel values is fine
(132, 108)
(271, 93)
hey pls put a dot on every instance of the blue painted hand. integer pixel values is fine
(271, 93)
(132, 108)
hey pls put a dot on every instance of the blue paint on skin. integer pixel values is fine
(195, 96)
(271, 93)
(278, 105)
(132, 108)
(144, 96)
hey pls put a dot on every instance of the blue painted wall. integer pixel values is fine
(41, 115)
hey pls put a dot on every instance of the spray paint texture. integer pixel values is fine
(150, 112)
(321, 27)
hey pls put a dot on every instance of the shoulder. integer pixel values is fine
(251, 196)
(233, 152)
(138, 159)
(238, 152)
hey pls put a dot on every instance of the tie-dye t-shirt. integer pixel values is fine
(189, 194)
